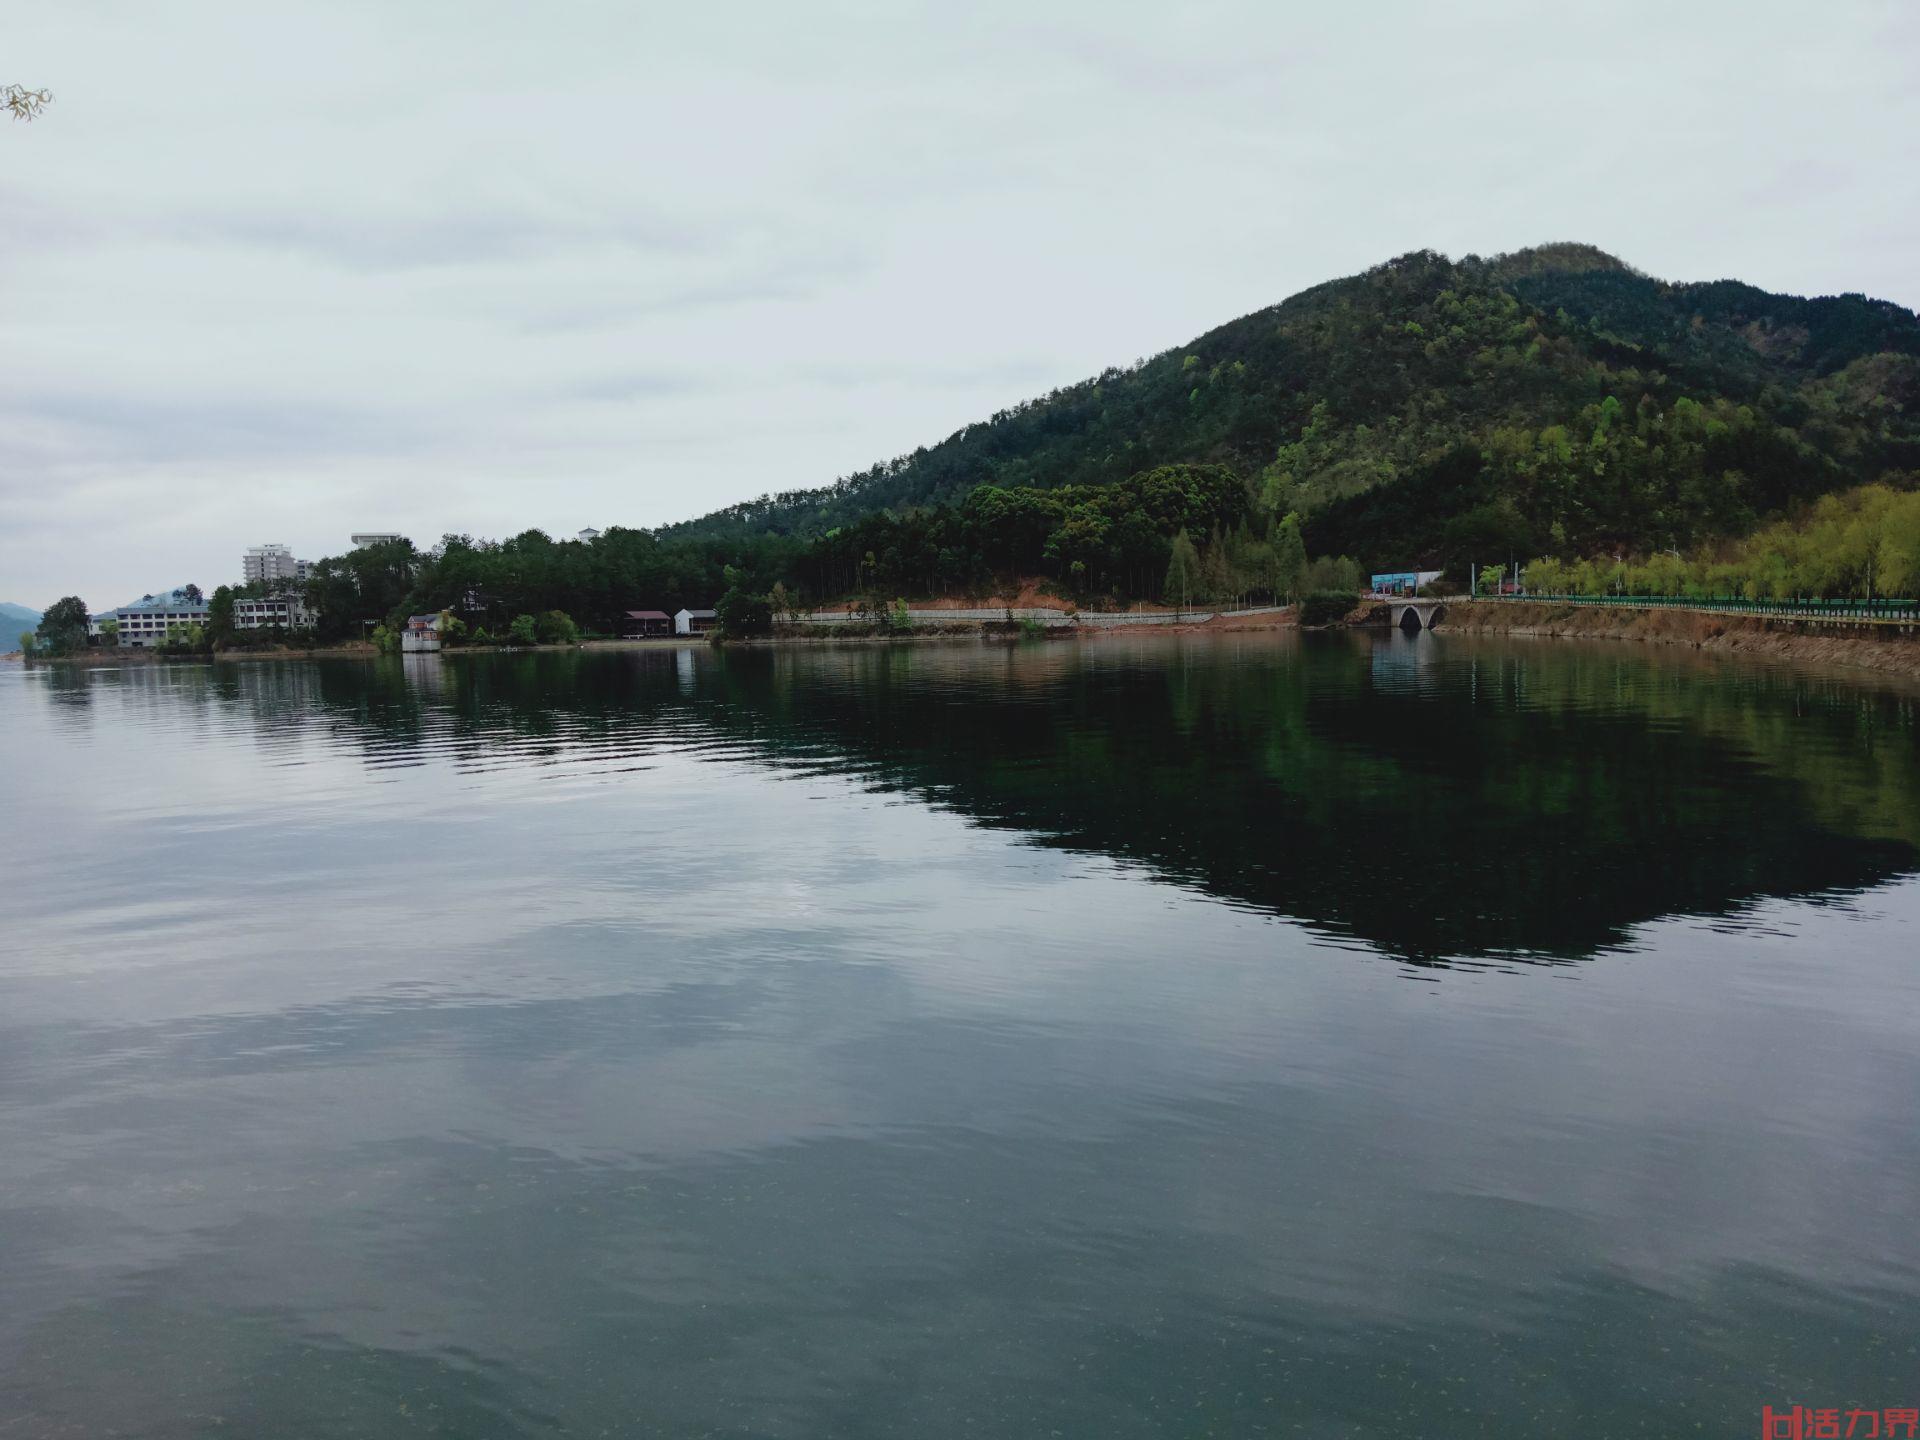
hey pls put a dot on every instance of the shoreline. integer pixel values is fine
(1876, 647)
(1886, 649)
(1227, 622)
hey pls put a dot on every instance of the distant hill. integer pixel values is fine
(165, 595)
(13, 620)
(1554, 400)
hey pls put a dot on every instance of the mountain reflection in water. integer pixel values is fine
(1437, 799)
(958, 1041)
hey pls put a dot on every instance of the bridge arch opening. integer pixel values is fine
(1410, 620)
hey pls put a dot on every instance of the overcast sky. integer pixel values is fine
(282, 272)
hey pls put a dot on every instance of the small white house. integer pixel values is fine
(588, 535)
(693, 622)
(421, 635)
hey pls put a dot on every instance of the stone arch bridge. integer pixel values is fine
(1411, 615)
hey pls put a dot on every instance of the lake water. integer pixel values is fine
(1297, 1036)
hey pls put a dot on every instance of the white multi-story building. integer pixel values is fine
(145, 622)
(271, 562)
(289, 612)
(364, 538)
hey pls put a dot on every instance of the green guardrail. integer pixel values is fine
(1888, 609)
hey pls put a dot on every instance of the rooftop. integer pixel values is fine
(165, 600)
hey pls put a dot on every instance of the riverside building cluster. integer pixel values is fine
(270, 571)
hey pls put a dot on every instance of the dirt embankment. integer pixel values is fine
(1890, 648)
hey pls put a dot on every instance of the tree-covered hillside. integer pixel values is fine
(1548, 406)
(1432, 411)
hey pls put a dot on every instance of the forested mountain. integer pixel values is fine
(1431, 411)
(1552, 406)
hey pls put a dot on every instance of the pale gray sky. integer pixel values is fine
(281, 272)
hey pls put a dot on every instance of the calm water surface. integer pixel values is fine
(1338, 1037)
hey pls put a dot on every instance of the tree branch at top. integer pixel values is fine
(25, 104)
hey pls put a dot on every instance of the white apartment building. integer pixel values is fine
(289, 612)
(145, 622)
(272, 562)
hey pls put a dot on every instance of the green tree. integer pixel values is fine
(220, 624)
(1546, 577)
(1289, 559)
(367, 584)
(1325, 607)
(1183, 572)
(556, 627)
(192, 594)
(187, 639)
(523, 631)
(1333, 574)
(110, 632)
(1490, 579)
(741, 615)
(63, 628)
(1216, 568)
